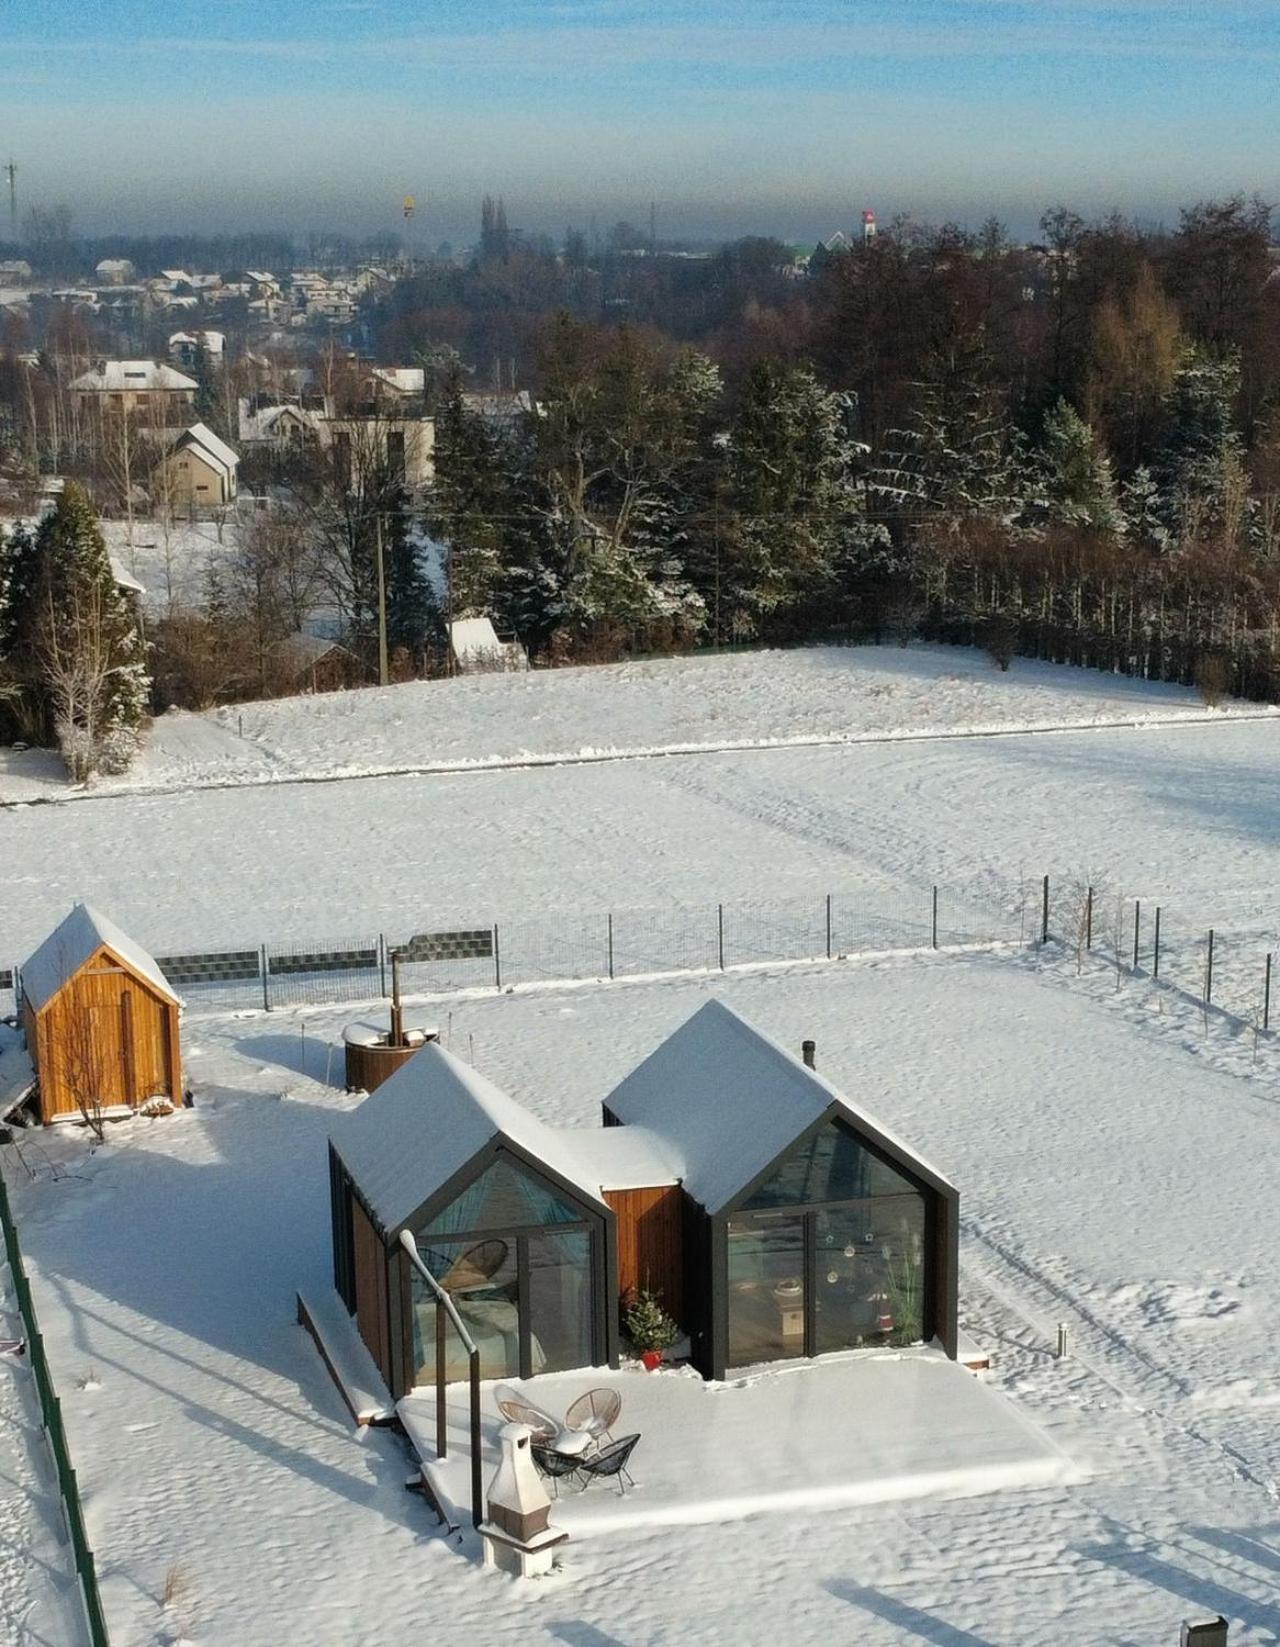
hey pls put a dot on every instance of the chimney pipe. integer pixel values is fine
(808, 1051)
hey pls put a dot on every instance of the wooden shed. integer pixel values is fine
(100, 1019)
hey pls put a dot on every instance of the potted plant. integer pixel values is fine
(649, 1327)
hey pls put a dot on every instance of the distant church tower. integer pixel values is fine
(868, 227)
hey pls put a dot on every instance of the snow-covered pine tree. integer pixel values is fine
(790, 492)
(1071, 476)
(957, 456)
(83, 660)
(1200, 471)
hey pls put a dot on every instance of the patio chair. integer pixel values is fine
(476, 1267)
(556, 1467)
(518, 1411)
(596, 1412)
(611, 1462)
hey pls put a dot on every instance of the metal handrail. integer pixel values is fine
(473, 1367)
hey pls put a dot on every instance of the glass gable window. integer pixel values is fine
(830, 1166)
(502, 1198)
(828, 1253)
(516, 1257)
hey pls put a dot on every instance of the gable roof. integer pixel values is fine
(425, 1122)
(117, 375)
(200, 434)
(729, 1100)
(71, 943)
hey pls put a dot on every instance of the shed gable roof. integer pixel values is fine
(75, 940)
(729, 1100)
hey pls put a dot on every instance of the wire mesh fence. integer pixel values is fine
(568, 946)
(1219, 950)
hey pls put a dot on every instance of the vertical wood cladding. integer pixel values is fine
(106, 1032)
(371, 1288)
(650, 1243)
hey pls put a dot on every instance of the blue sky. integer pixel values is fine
(739, 117)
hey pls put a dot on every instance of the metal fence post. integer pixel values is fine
(1266, 995)
(935, 917)
(1088, 920)
(1155, 959)
(382, 961)
(610, 943)
(1137, 927)
(266, 984)
(828, 926)
(720, 932)
(497, 959)
(1044, 912)
(1208, 971)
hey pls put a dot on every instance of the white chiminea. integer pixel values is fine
(517, 1534)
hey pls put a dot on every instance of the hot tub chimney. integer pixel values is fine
(809, 1052)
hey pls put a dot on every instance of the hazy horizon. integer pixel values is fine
(750, 118)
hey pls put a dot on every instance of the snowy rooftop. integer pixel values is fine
(866, 1428)
(220, 454)
(729, 1100)
(117, 375)
(427, 1121)
(70, 945)
(473, 637)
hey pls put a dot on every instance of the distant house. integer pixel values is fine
(185, 348)
(115, 271)
(100, 1020)
(16, 269)
(477, 650)
(114, 387)
(395, 384)
(776, 1218)
(275, 424)
(406, 444)
(199, 471)
(311, 663)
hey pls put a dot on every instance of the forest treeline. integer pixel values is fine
(1070, 449)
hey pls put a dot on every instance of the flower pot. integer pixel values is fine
(652, 1359)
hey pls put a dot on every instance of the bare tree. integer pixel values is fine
(79, 1056)
(74, 645)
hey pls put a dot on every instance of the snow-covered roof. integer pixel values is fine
(303, 650)
(200, 434)
(473, 638)
(406, 380)
(17, 1073)
(71, 943)
(624, 1158)
(728, 1100)
(117, 375)
(425, 1122)
(125, 579)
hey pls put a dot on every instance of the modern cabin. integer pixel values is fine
(774, 1218)
(100, 1020)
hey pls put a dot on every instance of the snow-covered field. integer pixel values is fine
(819, 695)
(1111, 1180)
(1115, 1150)
(1183, 814)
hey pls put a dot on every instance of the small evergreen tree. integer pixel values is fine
(1073, 475)
(75, 640)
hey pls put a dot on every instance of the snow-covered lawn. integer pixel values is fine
(816, 695)
(1117, 1174)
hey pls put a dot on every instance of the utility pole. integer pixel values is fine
(383, 671)
(11, 172)
(653, 227)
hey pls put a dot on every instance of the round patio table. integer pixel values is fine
(572, 1443)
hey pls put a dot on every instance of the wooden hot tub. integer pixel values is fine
(372, 1056)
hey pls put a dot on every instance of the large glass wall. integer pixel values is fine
(766, 1288)
(515, 1256)
(827, 1254)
